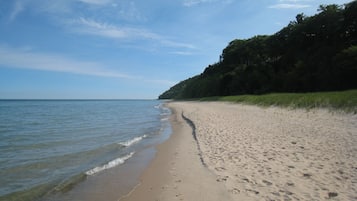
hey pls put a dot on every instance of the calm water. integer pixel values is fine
(47, 146)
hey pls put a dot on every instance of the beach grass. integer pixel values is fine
(341, 100)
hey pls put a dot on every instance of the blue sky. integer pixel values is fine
(113, 49)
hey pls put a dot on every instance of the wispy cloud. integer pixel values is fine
(18, 8)
(183, 53)
(170, 43)
(124, 13)
(128, 11)
(92, 27)
(295, 1)
(114, 9)
(110, 31)
(289, 6)
(25, 58)
(96, 2)
(64, 9)
(189, 3)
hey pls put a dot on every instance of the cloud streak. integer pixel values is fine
(289, 6)
(18, 8)
(105, 30)
(295, 1)
(96, 2)
(27, 59)
(189, 3)
(63, 14)
(92, 27)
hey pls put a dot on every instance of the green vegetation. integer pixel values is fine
(343, 100)
(311, 54)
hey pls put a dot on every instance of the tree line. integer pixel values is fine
(316, 53)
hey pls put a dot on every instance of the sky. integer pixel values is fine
(125, 49)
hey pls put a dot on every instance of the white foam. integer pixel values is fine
(110, 164)
(132, 141)
(165, 119)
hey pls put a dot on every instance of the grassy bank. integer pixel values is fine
(343, 100)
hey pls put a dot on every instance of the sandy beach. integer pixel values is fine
(241, 152)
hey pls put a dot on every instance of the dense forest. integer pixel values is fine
(317, 53)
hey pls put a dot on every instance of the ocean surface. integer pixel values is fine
(49, 146)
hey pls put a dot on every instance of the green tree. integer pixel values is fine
(300, 18)
(316, 53)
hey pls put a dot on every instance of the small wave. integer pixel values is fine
(165, 111)
(132, 141)
(109, 165)
(68, 184)
(165, 119)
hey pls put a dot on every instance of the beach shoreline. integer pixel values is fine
(253, 153)
(176, 172)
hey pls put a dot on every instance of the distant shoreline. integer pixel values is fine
(334, 100)
(76, 99)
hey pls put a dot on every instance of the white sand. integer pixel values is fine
(253, 153)
(277, 154)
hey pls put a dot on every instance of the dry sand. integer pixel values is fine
(254, 153)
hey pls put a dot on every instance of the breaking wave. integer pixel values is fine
(111, 164)
(132, 141)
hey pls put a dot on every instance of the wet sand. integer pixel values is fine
(177, 172)
(253, 153)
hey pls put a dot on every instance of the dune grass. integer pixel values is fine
(342, 100)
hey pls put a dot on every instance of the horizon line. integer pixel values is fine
(75, 99)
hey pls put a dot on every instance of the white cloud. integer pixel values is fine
(177, 44)
(105, 30)
(129, 11)
(63, 13)
(18, 8)
(92, 27)
(64, 9)
(289, 6)
(25, 58)
(189, 3)
(183, 53)
(96, 2)
(295, 1)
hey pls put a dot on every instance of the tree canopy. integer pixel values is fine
(317, 53)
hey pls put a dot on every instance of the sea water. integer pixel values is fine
(47, 146)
